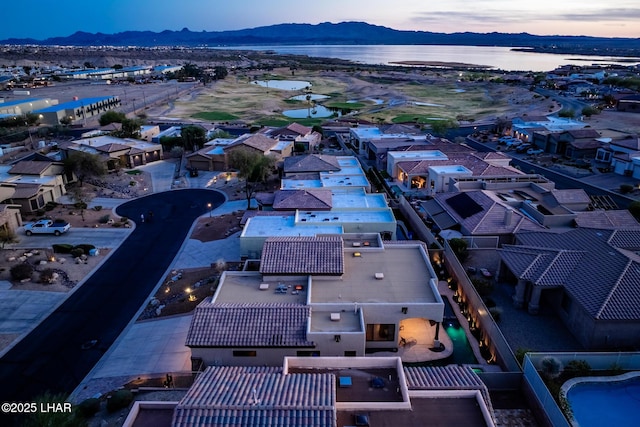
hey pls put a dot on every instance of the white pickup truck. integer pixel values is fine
(46, 226)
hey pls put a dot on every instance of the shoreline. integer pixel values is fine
(442, 64)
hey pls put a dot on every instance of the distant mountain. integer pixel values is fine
(349, 33)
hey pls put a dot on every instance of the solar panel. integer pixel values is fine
(464, 205)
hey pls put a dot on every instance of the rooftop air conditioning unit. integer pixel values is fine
(379, 276)
(264, 286)
(335, 317)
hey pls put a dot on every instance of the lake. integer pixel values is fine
(498, 57)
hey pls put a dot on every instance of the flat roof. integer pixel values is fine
(84, 102)
(350, 321)
(406, 278)
(442, 411)
(357, 199)
(418, 155)
(245, 287)
(450, 169)
(297, 184)
(346, 216)
(343, 180)
(367, 132)
(21, 101)
(265, 226)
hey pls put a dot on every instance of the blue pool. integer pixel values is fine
(462, 351)
(610, 403)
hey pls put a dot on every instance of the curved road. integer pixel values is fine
(51, 357)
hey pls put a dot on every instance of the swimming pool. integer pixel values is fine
(462, 351)
(605, 401)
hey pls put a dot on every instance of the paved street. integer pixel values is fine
(51, 356)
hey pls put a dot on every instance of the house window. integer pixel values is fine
(603, 156)
(381, 332)
(308, 353)
(244, 353)
(350, 353)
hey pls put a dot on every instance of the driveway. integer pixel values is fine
(51, 356)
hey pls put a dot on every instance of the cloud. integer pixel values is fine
(503, 17)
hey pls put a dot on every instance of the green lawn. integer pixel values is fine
(215, 116)
(345, 105)
(413, 118)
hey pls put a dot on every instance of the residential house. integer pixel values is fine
(303, 137)
(575, 143)
(431, 171)
(320, 296)
(314, 211)
(34, 182)
(325, 392)
(588, 277)
(118, 152)
(216, 157)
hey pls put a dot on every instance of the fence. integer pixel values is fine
(491, 335)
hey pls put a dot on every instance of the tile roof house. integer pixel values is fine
(301, 302)
(306, 392)
(34, 183)
(312, 163)
(590, 277)
(118, 151)
(477, 213)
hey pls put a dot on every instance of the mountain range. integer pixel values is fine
(344, 33)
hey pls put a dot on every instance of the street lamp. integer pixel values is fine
(209, 207)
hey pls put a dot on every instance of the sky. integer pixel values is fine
(604, 18)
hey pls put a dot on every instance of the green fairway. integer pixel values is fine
(215, 116)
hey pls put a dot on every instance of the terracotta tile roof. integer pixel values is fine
(303, 255)
(30, 167)
(475, 163)
(112, 148)
(257, 141)
(310, 163)
(299, 129)
(311, 199)
(599, 268)
(25, 191)
(248, 325)
(257, 396)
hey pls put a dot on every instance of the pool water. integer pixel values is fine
(598, 404)
(304, 113)
(462, 351)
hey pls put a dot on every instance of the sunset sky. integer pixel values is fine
(46, 18)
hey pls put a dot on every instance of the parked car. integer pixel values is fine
(535, 151)
(514, 142)
(46, 226)
(522, 148)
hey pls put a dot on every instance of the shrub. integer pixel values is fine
(47, 276)
(77, 252)
(104, 219)
(80, 205)
(626, 188)
(484, 287)
(459, 247)
(124, 219)
(132, 183)
(21, 271)
(119, 399)
(85, 247)
(97, 208)
(62, 248)
(88, 407)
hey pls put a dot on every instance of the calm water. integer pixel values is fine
(606, 404)
(498, 57)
